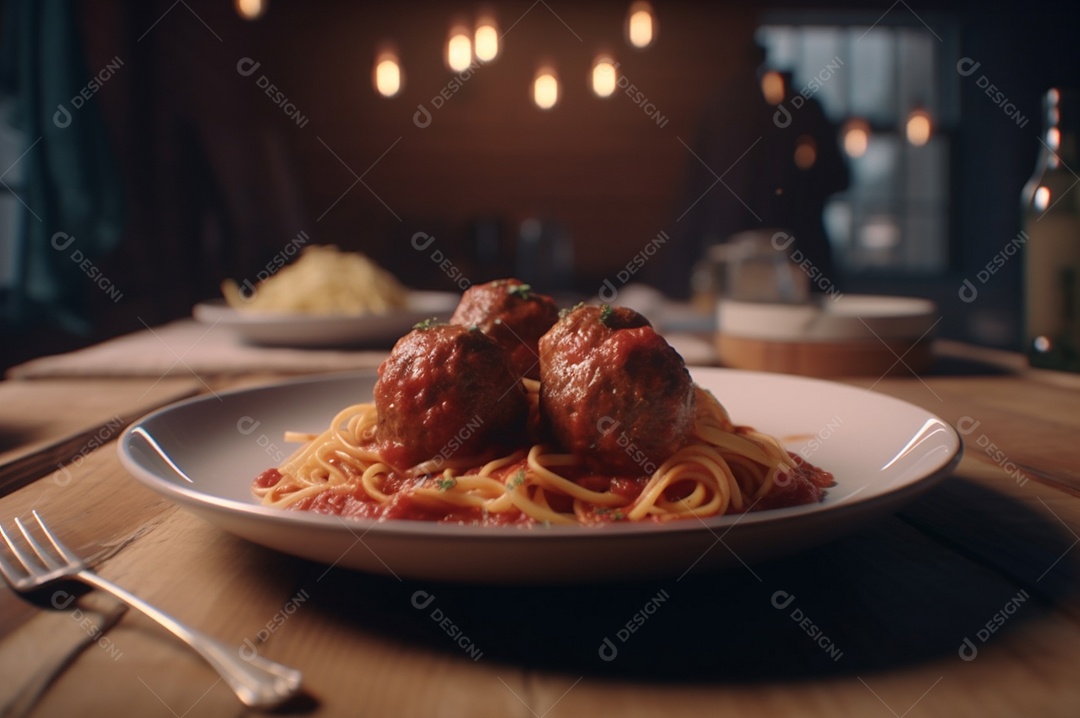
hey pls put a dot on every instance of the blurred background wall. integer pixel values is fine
(218, 177)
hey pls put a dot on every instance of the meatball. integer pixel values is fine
(509, 312)
(613, 391)
(446, 392)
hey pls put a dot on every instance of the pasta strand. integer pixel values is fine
(724, 469)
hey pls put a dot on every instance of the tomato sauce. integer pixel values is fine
(268, 478)
(805, 485)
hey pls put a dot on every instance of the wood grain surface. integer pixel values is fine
(50, 423)
(963, 604)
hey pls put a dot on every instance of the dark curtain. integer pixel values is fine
(69, 191)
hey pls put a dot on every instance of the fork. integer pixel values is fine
(257, 681)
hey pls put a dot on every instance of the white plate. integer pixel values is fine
(327, 330)
(882, 451)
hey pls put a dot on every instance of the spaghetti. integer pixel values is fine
(324, 280)
(723, 468)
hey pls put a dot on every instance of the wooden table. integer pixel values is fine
(966, 603)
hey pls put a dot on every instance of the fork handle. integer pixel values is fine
(258, 682)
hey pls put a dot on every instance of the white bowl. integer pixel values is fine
(842, 318)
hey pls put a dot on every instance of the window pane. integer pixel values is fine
(781, 47)
(927, 172)
(894, 216)
(874, 175)
(917, 52)
(873, 88)
(876, 236)
(820, 49)
(927, 175)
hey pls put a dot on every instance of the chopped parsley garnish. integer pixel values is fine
(446, 484)
(427, 323)
(567, 310)
(520, 290)
(605, 313)
(518, 480)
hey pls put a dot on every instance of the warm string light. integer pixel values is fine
(387, 75)
(604, 77)
(459, 49)
(486, 39)
(483, 44)
(545, 90)
(772, 87)
(856, 135)
(640, 25)
(805, 152)
(918, 127)
(250, 9)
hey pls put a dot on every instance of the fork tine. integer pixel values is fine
(44, 557)
(61, 548)
(257, 682)
(11, 575)
(19, 552)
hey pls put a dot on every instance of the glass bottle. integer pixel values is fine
(1051, 203)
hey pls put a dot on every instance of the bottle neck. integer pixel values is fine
(1061, 120)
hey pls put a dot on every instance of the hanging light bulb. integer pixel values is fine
(918, 127)
(640, 24)
(545, 90)
(856, 134)
(805, 152)
(772, 87)
(250, 9)
(386, 74)
(486, 38)
(458, 48)
(603, 76)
